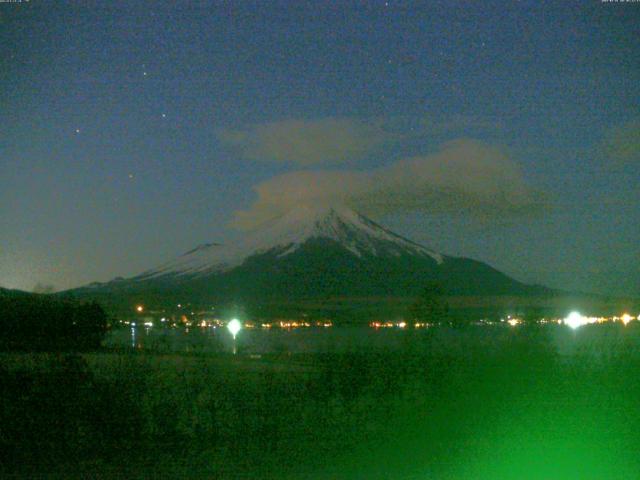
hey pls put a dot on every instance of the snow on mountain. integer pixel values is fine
(286, 234)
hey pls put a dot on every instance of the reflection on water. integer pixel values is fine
(215, 340)
(595, 340)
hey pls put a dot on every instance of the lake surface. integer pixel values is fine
(592, 340)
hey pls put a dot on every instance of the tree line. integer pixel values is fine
(31, 322)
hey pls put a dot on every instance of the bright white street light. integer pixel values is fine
(575, 320)
(234, 327)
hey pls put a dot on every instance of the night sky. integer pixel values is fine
(508, 132)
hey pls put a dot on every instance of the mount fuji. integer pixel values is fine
(311, 254)
(339, 227)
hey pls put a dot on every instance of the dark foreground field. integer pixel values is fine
(515, 411)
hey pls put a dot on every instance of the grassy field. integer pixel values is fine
(516, 411)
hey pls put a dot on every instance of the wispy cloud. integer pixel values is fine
(338, 140)
(464, 176)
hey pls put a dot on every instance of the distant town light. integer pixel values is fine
(234, 327)
(626, 318)
(575, 320)
(139, 308)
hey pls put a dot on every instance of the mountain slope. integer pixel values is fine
(354, 232)
(312, 253)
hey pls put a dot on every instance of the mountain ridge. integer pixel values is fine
(357, 234)
(311, 253)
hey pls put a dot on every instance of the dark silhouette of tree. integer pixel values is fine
(431, 306)
(31, 322)
(91, 323)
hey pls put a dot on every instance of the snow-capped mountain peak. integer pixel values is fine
(286, 234)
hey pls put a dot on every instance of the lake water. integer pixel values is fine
(594, 340)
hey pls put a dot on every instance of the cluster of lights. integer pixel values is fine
(293, 324)
(400, 324)
(573, 320)
(289, 324)
(576, 320)
(185, 321)
(626, 318)
(382, 324)
(559, 321)
(213, 323)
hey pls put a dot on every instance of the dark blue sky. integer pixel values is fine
(132, 131)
